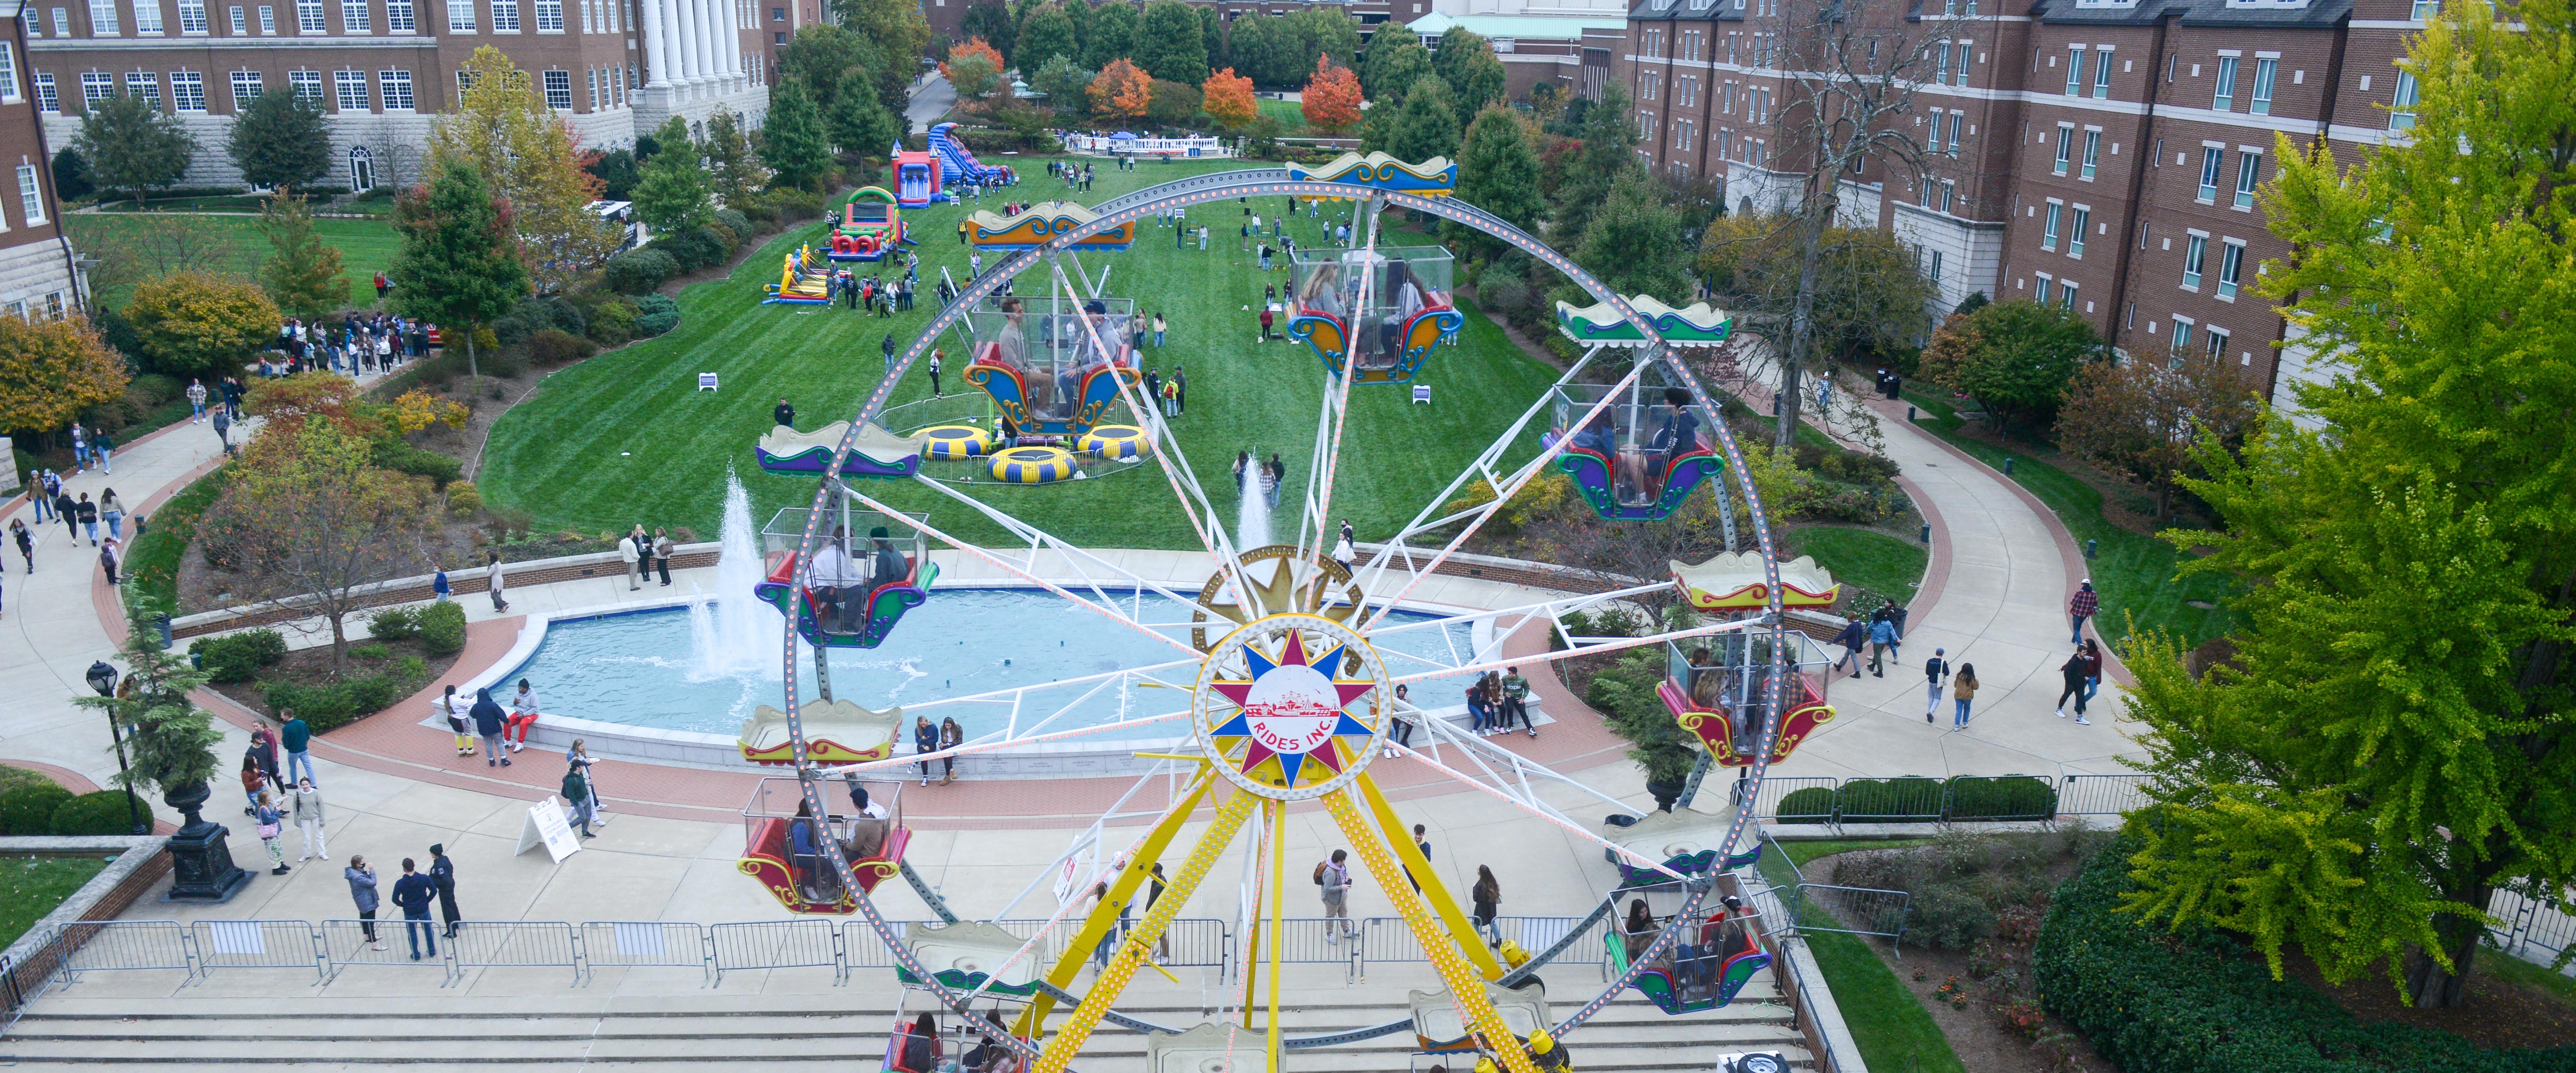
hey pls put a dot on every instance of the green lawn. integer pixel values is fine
(31, 887)
(1874, 561)
(152, 566)
(2133, 572)
(1891, 1027)
(1290, 114)
(366, 247)
(627, 437)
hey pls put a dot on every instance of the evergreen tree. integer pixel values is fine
(860, 125)
(1498, 168)
(1467, 62)
(1608, 136)
(1427, 125)
(1265, 50)
(1113, 34)
(1636, 243)
(72, 180)
(617, 173)
(732, 167)
(1081, 14)
(989, 20)
(1047, 34)
(793, 142)
(1168, 45)
(459, 267)
(1212, 36)
(278, 140)
(302, 274)
(133, 147)
(675, 192)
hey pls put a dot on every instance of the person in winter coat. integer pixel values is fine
(413, 892)
(488, 724)
(307, 808)
(2075, 672)
(362, 893)
(2093, 660)
(492, 575)
(442, 874)
(576, 792)
(1853, 638)
(1882, 642)
(626, 551)
(1963, 689)
(271, 823)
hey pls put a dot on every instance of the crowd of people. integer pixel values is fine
(875, 292)
(354, 346)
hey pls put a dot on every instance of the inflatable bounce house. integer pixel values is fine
(957, 164)
(804, 279)
(870, 226)
(916, 179)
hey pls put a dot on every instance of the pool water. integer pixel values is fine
(639, 669)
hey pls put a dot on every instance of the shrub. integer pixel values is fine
(639, 271)
(463, 497)
(99, 812)
(29, 810)
(793, 205)
(655, 314)
(2011, 797)
(554, 347)
(736, 222)
(692, 248)
(12, 778)
(726, 236)
(332, 705)
(404, 458)
(442, 628)
(1948, 917)
(1501, 293)
(154, 389)
(502, 363)
(1912, 797)
(238, 657)
(612, 323)
(394, 624)
(762, 214)
(1815, 804)
(536, 315)
(370, 651)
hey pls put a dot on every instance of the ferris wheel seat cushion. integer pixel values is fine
(1119, 442)
(956, 441)
(1033, 465)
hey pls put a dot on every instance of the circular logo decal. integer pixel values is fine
(1291, 706)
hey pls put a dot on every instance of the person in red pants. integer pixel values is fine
(523, 714)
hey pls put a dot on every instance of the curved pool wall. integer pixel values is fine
(1082, 757)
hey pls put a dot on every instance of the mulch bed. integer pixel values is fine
(2498, 1014)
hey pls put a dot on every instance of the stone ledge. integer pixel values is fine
(417, 589)
(28, 963)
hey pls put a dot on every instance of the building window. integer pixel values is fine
(2102, 75)
(2231, 266)
(192, 16)
(2046, 286)
(306, 84)
(460, 16)
(2195, 254)
(2401, 108)
(309, 18)
(144, 84)
(62, 22)
(9, 74)
(96, 86)
(2264, 73)
(2209, 174)
(2092, 153)
(2065, 146)
(353, 90)
(102, 18)
(2075, 70)
(54, 305)
(27, 19)
(2424, 10)
(2182, 333)
(2075, 234)
(31, 195)
(2048, 236)
(355, 18)
(147, 16)
(1955, 124)
(1958, 66)
(246, 88)
(559, 90)
(267, 20)
(46, 99)
(187, 91)
(2218, 345)
(2226, 99)
(505, 16)
(593, 72)
(1936, 269)
(398, 17)
(2066, 295)
(2249, 169)
(241, 26)
(550, 18)
(396, 87)
(1940, 63)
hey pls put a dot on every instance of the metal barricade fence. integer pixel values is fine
(1775, 790)
(2533, 930)
(778, 944)
(1388, 940)
(862, 948)
(259, 944)
(1199, 942)
(119, 945)
(514, 944)
(643, 943)
(345, 943)
(1313, 941)
(1854, 910)
(1910, 799)
(2100, 795)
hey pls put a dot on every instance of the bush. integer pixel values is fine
(1815, 804)
(370, 651)
(762, 214)
(639, 271)
(29, 810)
(463, 497)
(1947, 916)
(154, 389)
(1913, 797)
(442, 628)
(99, 812)
(794, 205)
(553, 347)
(692, 248)
(238, 657)
(2010, 797)
(655, 314)
(536, 315)
(612, 323)
(736, 222)
(332, 705)
(503, 363)
(394, 624)
(401, 457)
(1501, 293)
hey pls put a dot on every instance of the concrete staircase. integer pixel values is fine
(218, 1026)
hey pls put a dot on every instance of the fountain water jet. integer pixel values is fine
(725, 630)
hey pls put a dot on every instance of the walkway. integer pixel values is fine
(931, 99)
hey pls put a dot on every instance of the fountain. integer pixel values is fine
(725, 630)
(1252, 510)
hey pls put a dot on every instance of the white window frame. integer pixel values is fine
(192, 18)
(2231, 268)
(311, 17)
(2249, 174)
(341, 82)
(308, 85)
(2267, 72)
(550, 16)
(2195, 258)
(144, 84)
(2075, 70)
(240, 20)
(460, 16)
(267, 21)
(2066, 289)
(395, 84)
(356, 17)
(96, 86)
(250, 80)
(505, 16)
(2401, 104)
(2224, 100)
(547, 80)
(186, 87)
(402, 17)
(2102, 73)
(31, 194)
(102, 19)
(2215, 341)
(49, 99)
(2048, 233)
(2092, 153)
(2047, 287)
(2082, 219)
(2212, 166)
(9, 74)
(147, 17)
(2182, 332)
(2065, 148)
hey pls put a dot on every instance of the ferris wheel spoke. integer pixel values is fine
(1408, 855)
(1485, 755)
(1543, 814)
(1134, 865)
(1597, 646)
(1337, 409)
(997, 746)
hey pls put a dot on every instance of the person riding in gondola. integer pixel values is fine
(1639, 930)
(833, 576)
(813, 880)
(890, 564)
(1679, 433)
(919, 1052)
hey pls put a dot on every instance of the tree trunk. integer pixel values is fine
(473, 374)
(2428, 985)
(339, 641)
(2164, 495)
(1802, 320)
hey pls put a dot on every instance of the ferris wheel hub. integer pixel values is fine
(1291, 706)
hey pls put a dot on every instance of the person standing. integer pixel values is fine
(783, 414)
(578, 757)
(307, 809)
(196, 401)
(523, 714)
(488, 724)
(362, 893)
(1278, 477)
(297, 737)
(1516, 701)
(439, 590)
(1180, 380)
(492, 575)
(80, 449)
(934, 374)
(26, 542)
(1486, 900)
(1423, 843)
(455, 710)
(1882, 641)
(626, 553)
(887, 348)
(412, 894)
(662, 549)
(1158, 331)
(263, 747)
(2075, 672)
(1265, 323)
(1963, 689)
(1935, 671)
(270, 822)
(975, 265)
(925, 741)
(442, 872)
(2081, 606)
(1334, 876)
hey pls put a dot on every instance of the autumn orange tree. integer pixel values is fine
(974, 68)
(49, 373)
(1227, 98)
(1332, 97)
(1121, 91)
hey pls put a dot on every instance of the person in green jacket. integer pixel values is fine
(576, 792)
(297, 738)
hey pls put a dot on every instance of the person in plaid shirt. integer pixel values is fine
(2081, 606)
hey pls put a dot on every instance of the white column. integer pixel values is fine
(684, 60)
(706, 15)
(657, 48)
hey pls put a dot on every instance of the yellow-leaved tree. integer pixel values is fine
(527, 154)
(49, 373)
(201, 325)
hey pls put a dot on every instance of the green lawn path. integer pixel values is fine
(1891, 1027)
(627, 437)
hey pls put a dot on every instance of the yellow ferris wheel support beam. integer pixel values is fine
(1104, 916)
(1461, 930)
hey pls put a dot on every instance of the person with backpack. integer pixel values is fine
(1934, 671)
(1882, 642)
(1853, 638)
(1334, 876)
(1963, 688)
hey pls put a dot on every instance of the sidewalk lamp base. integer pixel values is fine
(201, 866)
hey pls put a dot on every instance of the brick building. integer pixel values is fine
(384, 68)
(2103, 156)
(39, 276)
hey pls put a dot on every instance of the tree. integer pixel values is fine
(989, 21)
(168, 745)
(2391, 743)
(72, 180)
(827, 58)
(860, 125)
(1867, 296)
(2142, 415)
(1113, 34)
(674, 192)
(1066, 85)
(1604, 144)
(1467, 62)
(279, 140)
(1498, 168)
(459, 266)
(617, 173)
(2014, 357)
(1401, 74)
(51, 372)
(1372, 63)
(1169, 45)
(133, 247)
(1265, 50)
(1227, 98)
(902, 37)
(1636, 243)
(1173, 103)
(302, 274)
(1427, 125)
(732, 167)
(525, 153)
(132, 146)
(1080, 12)
(973, 69)
(1046, 35)
(1212, 36)
(1325, 30)
(1120, 92)
(1332, 98)
(793, 143)
(318, 523)
(195, 325)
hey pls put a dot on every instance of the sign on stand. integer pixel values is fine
(548, 826)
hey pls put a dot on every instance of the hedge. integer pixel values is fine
(238, 657)
(331, 705)
(639, 271)
(99, 812)
(442, 628)
(29, 810)
(2196, 999)
(1917, 798)
(655, 314)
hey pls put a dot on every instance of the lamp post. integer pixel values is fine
(102, 678)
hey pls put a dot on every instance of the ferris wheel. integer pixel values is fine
(1289, 662)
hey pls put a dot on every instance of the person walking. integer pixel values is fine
(307, 810)
(1422, 842)
(579, 757)
(442, 873)
(887, 348)
(2081, 606)
(196, 401)
(112, 511)
(1853, 637)
(456, 712)
(297, 737)
(223, 422)
(1153, 388)
(263, 747)
(492, 575)
(105, 448)
(1486, 900)
(925, 740)
(108, 558)
(69, 511)
(1963, 689)
(934, 375)
(488, 724)
(41, 489)
(412, 894)
(80, 449)
(523, 714)
(1882, 642)
(362, 893)
(26, 541)
(270, 822)
(576, 793)
(87, 512)
(1278, 477)
(2093, 669)
(1334, 876)
(2075, 672)
(663, 546)
(1935, 671)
